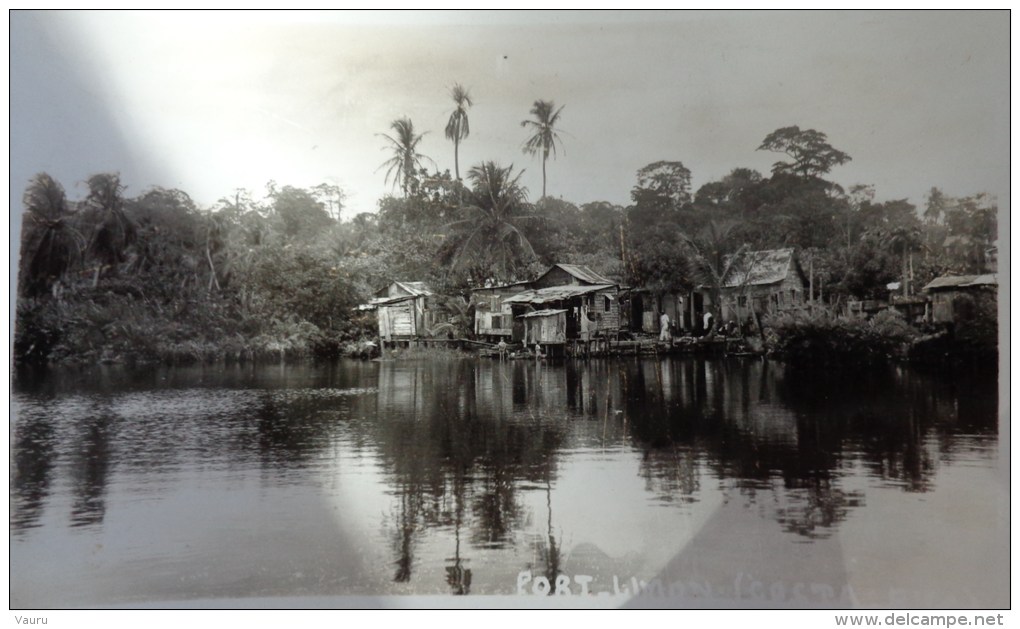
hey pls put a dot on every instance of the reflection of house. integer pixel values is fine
(762, 282)
(577, 305)
(493, 316)
(951, 294)
(402, 310)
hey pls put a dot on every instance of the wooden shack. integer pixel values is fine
(591, 312)
(571, 275)
(545, 327)
(950, 294)
(646, 306)
(493, 316)
(402, 311)
(762, 282)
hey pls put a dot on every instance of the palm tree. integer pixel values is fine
(709, 265)
(903, 240)
(50, 245)
(115, 231)
(457, 127)
(545, 137)
(491, 238)
(406, 160)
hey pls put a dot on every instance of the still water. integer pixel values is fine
(672, 481)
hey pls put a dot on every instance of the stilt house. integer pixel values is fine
(567, 303)
(402, 309)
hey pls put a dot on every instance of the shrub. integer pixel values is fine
(824, 337)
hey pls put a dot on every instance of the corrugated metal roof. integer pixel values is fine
(500, 286)
(542, 313)
(583, 273)
(948, 281)
(989, 279)
(415, 288)
(554, 293)
(386, 301)
(754, 268)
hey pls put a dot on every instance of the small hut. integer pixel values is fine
(545, 327)
(647, 305)
(493, 316)
(591, 312)
(762, 282)
(571, 275)
(952, 293)
(402, 310)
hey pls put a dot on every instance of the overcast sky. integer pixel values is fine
(212, 103)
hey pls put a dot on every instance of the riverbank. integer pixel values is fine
(116, 324)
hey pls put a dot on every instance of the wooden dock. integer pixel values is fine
(635, 347)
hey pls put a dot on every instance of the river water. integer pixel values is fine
(656, 481)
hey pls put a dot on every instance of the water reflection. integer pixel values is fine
(91, 468)
(470, 454)
(33, 452)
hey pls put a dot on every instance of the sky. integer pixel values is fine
(210, 103)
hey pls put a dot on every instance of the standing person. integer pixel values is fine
(708, 322)
(664, 334)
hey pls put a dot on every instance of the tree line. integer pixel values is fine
(154, 276)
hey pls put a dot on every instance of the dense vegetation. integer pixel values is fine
(154, 277)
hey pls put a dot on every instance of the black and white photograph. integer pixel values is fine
(320, 310)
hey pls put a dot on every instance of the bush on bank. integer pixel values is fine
(826, 338)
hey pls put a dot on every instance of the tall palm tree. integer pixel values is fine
(406, 160)
(115, 232)
(457, 128)
(491, 237)
(903, 240)
(50, 245)
(545, 137)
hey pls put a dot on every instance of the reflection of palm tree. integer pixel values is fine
(89, 505)
(493, 233)
(405, 535)
(553, 552)
(458, 577)
(406, 160)
(457, 127)
(545, 137)
(33, 453)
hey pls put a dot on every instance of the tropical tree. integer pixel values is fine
(904, 240)
(663, 186)
(50, 245)
(490, 240)
(710, 262)
(301, 211)
(810, 151)
(544, 137)
(457, 127)
(406, 160)
(115, 232)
